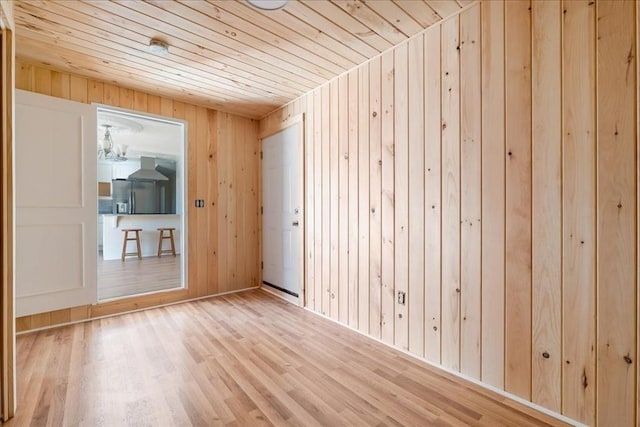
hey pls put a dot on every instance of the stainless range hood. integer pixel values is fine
(147, 171)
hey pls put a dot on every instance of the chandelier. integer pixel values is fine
(108, 150)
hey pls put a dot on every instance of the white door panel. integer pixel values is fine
(282, 207)
(48, 250)
(56, 211)
(52, 149)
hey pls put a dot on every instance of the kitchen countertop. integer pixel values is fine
(115, 219)
(121, 214)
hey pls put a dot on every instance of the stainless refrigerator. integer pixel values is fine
(135, 197)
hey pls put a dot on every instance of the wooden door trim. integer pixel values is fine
(279, 127)
(7, 327)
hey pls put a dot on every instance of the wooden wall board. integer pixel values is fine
(493, 202)
(233, 192)
(579, 211)
(366, 294)
(139, 101)
(638, 218)
(518, 197)
(309, 208)
(470, 193)
(546, 129)
(353, 200)
(326, 203)
(190, 178)
(60, 86)
(201, 174)
(319, 184)
(416, 178)
(371, 126)
(126, 96)
(334, 200)
(42, 81)
(617, 231)
(342, 286)
(432, 196)
(387, 313)
(401, 192)
(153, 101)
(212, 200)
(450, 170)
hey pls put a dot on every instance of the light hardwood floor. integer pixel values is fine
(241, 359)
(136, 276)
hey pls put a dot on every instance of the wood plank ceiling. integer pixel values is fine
(225, 54)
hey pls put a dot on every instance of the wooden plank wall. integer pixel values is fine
(498, 188)
(222, 166)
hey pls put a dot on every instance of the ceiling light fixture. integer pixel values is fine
(110, 151)
(268, 4)
(159, 47)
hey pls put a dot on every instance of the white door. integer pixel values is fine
(55, 199)
(282, 184)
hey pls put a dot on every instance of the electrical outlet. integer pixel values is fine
(199, 203)
(402, 298)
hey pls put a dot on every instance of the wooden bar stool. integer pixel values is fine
(138, 252)
(162, 237)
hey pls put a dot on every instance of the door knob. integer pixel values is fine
(295, 223)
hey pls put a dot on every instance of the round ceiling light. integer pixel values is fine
(159, 47)
(268, 4)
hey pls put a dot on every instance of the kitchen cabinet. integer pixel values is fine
(108, 170)
(122, 170)
(105, 172)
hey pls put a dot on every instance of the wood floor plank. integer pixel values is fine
(136, 276)
(239, 359)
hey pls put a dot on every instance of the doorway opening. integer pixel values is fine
(141, 209)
